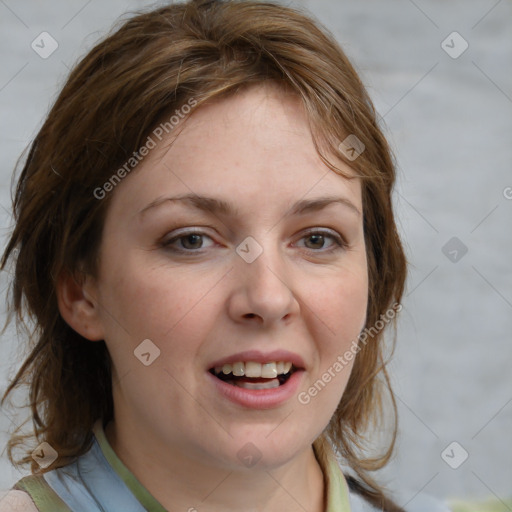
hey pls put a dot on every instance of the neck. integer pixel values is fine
(181, 483)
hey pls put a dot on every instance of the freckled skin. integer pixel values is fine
(172, 428)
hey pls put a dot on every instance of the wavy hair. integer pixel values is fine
(147, 67)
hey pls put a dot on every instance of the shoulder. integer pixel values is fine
(420, 503)
(17, 501)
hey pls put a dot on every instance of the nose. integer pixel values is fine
(263, 290)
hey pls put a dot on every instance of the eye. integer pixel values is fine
(318, 238)
(190, 241)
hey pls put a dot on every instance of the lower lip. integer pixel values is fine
(259, 398)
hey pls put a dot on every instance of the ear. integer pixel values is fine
(77, 305)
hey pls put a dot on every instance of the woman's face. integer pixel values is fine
(252, 270)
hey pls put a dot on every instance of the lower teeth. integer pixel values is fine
(272, 383)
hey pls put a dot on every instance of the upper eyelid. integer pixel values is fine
(199, 230)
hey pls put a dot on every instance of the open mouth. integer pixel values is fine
(252, 375)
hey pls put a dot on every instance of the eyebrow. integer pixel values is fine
(221, 207)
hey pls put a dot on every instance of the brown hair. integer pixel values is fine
(152, 65)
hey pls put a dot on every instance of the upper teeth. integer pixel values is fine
(255, 370)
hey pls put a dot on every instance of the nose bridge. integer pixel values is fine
(262, 278)
(262, 258)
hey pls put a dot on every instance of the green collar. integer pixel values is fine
(337, 490)
(336, 485)
(139, 491)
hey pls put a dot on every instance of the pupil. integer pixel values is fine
(319, 238)
(188, 237)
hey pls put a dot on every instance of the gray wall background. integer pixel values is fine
(449, 121)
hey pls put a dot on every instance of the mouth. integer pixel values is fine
(254, 375)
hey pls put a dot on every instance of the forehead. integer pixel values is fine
(253, 148)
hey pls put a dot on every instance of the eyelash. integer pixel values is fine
(340, 243)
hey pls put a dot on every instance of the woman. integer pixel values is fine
(205, 238)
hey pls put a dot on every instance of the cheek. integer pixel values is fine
(161, 304)
(147, 301)
(342, 308)
(340, 314)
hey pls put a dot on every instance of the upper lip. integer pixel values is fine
(261, 357)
